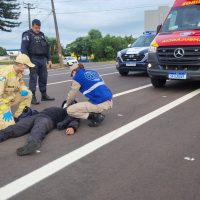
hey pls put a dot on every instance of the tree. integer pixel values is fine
(94, 34)
(80, 47)
(109, 52)
(9, 15)
(52, 45)
(2, 52)
(103, 48)
(54, 49)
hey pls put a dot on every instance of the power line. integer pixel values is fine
(108, 10)
(46, 17)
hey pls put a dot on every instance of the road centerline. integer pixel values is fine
(55, 83)
(64, 73)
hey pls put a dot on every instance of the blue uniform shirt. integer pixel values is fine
(92, 86)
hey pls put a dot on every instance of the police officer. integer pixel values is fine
(13, 90)
(36, 47)
(38, 126)
(90, 84)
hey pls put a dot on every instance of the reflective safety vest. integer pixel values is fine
(93, 86)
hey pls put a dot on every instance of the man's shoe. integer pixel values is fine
(34, 100)
(29, 148)
(95, 119)
(45, 97)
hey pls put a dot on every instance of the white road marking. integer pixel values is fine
(132, 90)
(189, 159)
(55, 166)
(55, 83)
(58, 82)
(64, 73)
(88, 67)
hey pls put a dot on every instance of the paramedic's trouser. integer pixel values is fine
(23, 101)
(37, 125)
(83, 109)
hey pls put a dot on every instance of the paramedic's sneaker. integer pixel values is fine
(29, 148)
(95, 119)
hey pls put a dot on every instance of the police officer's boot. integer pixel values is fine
(45, 97)
(95, 119)
(34, 100)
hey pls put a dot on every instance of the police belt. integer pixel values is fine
(38, 56)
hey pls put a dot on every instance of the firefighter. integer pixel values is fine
(90, 84)
(13, 90)
(35, 45)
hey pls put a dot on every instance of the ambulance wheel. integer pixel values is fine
(123, 73)
(158, 83)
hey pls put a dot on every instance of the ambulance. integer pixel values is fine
(174, 54)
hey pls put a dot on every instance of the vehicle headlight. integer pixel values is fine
(152, 49)
(119, 54)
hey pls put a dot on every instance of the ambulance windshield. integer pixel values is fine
(183, 18)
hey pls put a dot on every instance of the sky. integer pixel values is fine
(76, 17)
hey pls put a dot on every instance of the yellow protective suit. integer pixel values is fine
(11, 84)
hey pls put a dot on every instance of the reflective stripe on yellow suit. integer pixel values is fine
(82, 110)
(11, 85)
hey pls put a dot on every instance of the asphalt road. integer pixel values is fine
(148, 148)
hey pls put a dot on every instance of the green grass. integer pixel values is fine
(6, 62)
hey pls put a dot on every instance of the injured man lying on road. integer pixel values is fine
(38, 126)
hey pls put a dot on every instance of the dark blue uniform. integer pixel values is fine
(39, 125)
(36, 47)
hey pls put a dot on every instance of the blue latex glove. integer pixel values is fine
(7, 116)
(24, 93)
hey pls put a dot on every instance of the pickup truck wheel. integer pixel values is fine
(123, 73)
(158, 83)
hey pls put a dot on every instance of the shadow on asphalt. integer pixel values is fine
(172, 85)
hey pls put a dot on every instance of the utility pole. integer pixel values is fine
(29, 6)
(57, 34)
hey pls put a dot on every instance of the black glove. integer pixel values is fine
(61, 126)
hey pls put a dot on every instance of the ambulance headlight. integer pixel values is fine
(152, 49)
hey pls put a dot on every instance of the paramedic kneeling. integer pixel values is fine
(92, 86)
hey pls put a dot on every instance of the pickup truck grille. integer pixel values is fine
(166, 56)
(132, 57)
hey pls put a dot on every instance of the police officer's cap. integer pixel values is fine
(36, 22)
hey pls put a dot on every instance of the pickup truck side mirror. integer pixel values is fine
(129, 45)
(158, 28)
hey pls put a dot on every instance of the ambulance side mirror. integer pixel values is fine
(158, 28)
(129, 45)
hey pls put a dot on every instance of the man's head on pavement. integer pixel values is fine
(75, 67)
(36, 25)
(22, 62)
